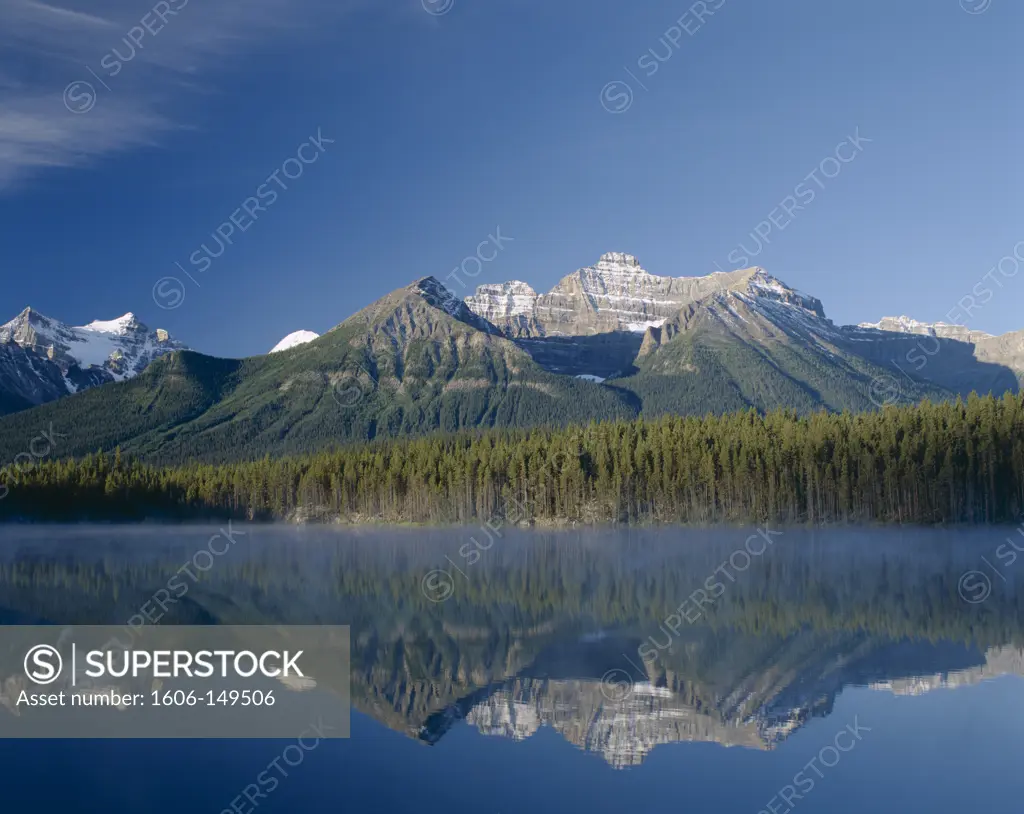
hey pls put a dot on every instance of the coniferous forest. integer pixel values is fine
(959, 462)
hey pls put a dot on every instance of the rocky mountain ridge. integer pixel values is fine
(908, 325)
(614, 294)
(588, 324)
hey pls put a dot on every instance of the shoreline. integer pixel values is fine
(536, 525)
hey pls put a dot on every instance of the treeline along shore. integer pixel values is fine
(947, 462)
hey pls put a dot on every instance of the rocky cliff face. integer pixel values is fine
(512, 304)
(42, 359)
(1006, 350)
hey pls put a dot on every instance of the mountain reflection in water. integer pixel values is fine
(546, 629)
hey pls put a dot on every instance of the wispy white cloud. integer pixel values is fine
(90, 77)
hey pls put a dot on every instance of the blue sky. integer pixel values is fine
(436, 129)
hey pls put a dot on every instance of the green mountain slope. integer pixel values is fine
(174, 390)
(732, 350)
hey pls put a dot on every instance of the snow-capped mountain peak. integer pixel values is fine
(293, 340)
(54, 359)
(122, 347)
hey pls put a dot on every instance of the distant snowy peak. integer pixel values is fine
(906, 325)
(618, 294)
(293, 340)
(902, 324)
(121, 348)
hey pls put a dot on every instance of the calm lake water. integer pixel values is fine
(614, 671)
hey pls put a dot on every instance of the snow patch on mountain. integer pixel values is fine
(120, 326)
(100, 343)
(293, 340)
(640, 327)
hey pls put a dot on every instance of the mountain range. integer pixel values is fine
(608, 341)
